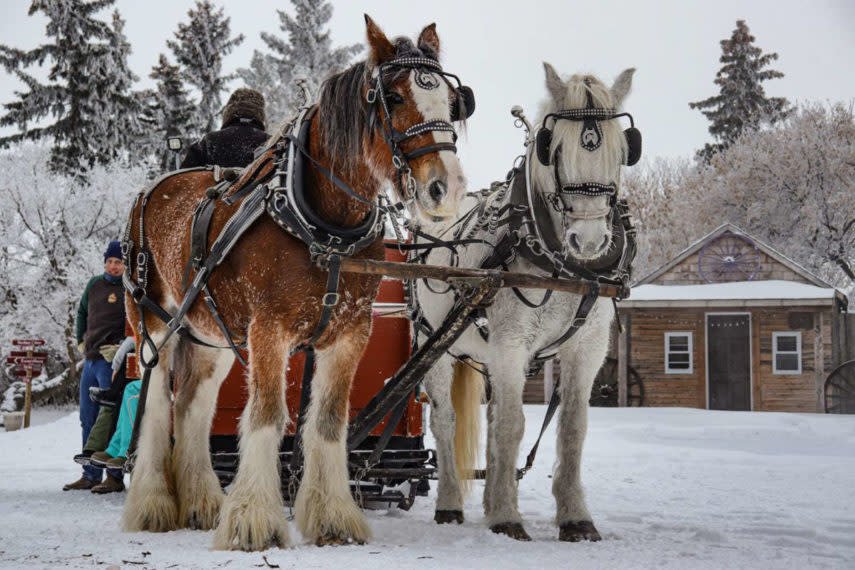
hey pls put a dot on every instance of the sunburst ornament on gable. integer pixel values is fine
(729, 257)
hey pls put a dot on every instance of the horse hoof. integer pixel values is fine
(332, 540)
(513, 530)
(445, 517)
(578, 531)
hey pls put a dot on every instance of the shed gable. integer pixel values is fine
(686, 272)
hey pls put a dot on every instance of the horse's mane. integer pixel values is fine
(342, 112)
(586, 166)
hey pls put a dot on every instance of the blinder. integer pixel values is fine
(591, 136)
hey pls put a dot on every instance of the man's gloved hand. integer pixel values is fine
(108, 351)
(81, 347)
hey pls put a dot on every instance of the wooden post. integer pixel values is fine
(819, 361)
(28, 393)
(622, 360)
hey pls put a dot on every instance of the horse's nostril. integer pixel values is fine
(437, 190)
(574, 242)
(605, 243)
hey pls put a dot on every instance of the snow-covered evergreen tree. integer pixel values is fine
(741, 103)
(199, 47)
(87, 93)
(305, 51)
(169, 112)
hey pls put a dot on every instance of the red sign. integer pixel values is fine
(33, 354)
(29, 342)
(25, 361)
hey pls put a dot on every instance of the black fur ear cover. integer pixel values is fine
(633, 143)
(542, 142)
(463, 105)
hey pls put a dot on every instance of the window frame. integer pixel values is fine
(798, 352)
(690, 352)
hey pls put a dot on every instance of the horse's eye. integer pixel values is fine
(394, 98)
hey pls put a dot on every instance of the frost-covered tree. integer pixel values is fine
(793, 185)
(87, 92)
(741, 103)
(304, 51)
(199, 47)
(658, 195)
(169, 112)
(54, 230)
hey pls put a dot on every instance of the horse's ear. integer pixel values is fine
(430, 40)
(379, 46)
(622, 85)
(554, 84)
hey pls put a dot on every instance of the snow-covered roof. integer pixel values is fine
(731, 228)
(750, 293)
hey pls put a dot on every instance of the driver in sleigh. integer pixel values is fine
(242, 132)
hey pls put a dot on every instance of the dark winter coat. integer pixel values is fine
(101, 316)
(233, 145)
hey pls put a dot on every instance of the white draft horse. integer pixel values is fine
(269, 293)
(517, 332)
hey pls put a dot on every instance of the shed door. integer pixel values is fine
(729, 362)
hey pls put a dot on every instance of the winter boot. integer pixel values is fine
(100, 458)
(82, 484)
(110, 485)
(100, 396)
(116, 463)
(83, 458)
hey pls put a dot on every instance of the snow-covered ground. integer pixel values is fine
(669, 488)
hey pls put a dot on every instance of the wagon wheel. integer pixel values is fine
(605, 390)
(730, 257)
(840, 389)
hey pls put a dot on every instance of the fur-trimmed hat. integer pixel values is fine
(245, 104)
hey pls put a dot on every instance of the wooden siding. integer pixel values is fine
(647, 355)
(770, 392)
(686, 272)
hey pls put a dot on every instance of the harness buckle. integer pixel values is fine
(330, 299)
(396, 160)
(371, 96)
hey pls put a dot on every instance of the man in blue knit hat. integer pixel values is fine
(100, 330)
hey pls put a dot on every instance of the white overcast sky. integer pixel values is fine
(497, 48)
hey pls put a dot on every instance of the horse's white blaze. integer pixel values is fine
(433, 104)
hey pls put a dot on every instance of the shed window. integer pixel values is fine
(678, 353)
(787, 352)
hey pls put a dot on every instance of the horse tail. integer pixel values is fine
(467, 393)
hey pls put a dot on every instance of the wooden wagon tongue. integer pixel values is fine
(406, 271)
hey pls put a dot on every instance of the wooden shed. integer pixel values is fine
(732, 324)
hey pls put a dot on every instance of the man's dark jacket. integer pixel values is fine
(231, 146)
(101, 315)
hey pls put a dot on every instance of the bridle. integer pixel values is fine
(590, 139)
(378, 106)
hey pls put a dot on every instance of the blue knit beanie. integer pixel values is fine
(114, 249)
